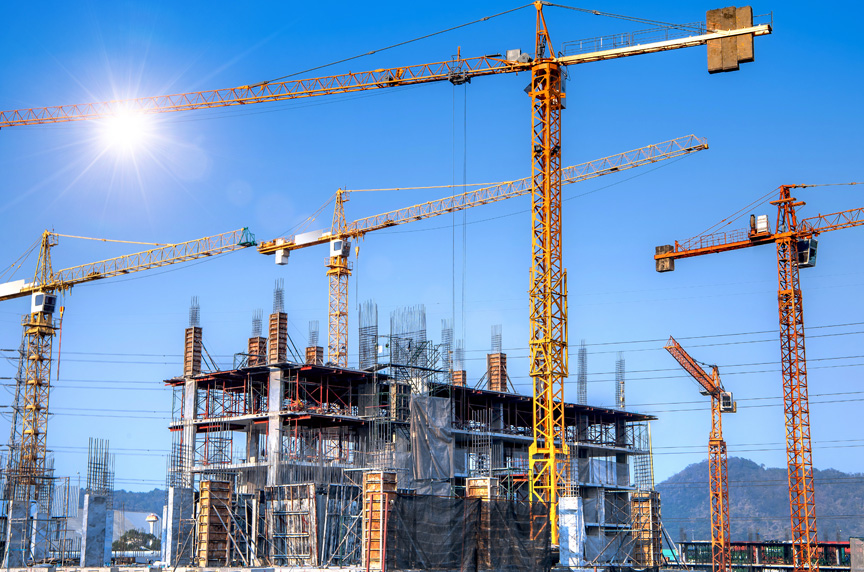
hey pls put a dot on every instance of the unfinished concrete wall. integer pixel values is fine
(163, 535)
(93, 530)
(109, 535)
(40, 531)
(17, 539)
(178, 527)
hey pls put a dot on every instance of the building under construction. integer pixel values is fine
(399, 463)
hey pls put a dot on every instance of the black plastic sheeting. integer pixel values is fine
(468, 535)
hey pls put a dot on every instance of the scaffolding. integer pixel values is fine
(582, 375)
(368, 335)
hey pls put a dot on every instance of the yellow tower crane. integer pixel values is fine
(342, 233)
(29, 433)
(728, 34)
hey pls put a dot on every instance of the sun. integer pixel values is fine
(126, 132)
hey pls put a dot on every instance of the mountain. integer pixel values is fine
(759, 503)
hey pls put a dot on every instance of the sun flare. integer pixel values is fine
(126, 132)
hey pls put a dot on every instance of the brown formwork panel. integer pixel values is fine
(315, 355)
(459, 378)
(378, 488)
(482, 487)
(278, 338)
(214, 521)
(496, 371)
(192, 352)
(257, 351)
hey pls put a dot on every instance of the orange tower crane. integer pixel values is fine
(29, 433)
(729, 37)
(796, 248)
(718, 483)
(342, 233)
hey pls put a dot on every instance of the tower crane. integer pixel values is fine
(718, 483)
(342, 233)
(32, 390)
(729, 37)
(796, 248)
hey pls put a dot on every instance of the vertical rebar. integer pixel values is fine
(257, 317)
(496, 339)
(368, 334)
(582, 376)
(619, 382)
(194, 313)
(447, 345)
(279, 296)
(313, 334)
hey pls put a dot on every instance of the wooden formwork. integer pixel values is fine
(645, 515)
(315, 355)
(482, 487)
(486, 489)
(277, 350)
(214, 523)
(379, 487)
(192, 352)
(257, 351)
(459, 378)
(496, 371)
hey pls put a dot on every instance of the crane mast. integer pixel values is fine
(547, 290)
(338, 271)
(718, 481)
(796, 403)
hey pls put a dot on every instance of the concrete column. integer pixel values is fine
(17, 539)
(163, 533)
(571, 532)
(178, 543)
(275, 392)
(253, 540)
(109, 536)
(93, 530)
(40, 532)
(253, 433)
(190, 413)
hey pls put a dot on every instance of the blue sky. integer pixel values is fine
(792, 116)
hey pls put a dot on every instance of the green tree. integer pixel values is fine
(136, 540)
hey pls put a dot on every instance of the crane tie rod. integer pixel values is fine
(829, 185)
(369, 53)
(629, 18)
(111, 240)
